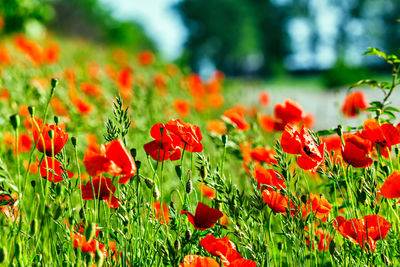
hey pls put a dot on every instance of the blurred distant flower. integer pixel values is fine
(354, 103)
(182, 107)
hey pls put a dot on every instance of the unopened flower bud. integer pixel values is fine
(15, 121)
(203, 172)
(31, 110)
(224, 139)
(138, 164)
(178, 170)
(54, 82)
(189, 186)
(56, 120)
(149, 183)
(156, 192)
(133, 152)
(188, 235)
(74, 141)
(51, 134)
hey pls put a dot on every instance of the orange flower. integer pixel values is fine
(319, 206)
(354, 103)
(44, 143)
(267, 177)
(182, 107)
(90, 89)
(215, 100)
(24, 143)
(356, 151)
(163, 216)
(267, 123)
(368, 229)
(207, 191)
(198, 261)
(4, 94)
(4, 55)
(216, 126)
(391, 186)
(50, 53)
(23, 110)
(58, 107)
(264, 99)
(81, 105)
(146, 58)
(277, 202)
(236, 116)
(125, 78)
(263, 154)
(33, 168)
(311, 154)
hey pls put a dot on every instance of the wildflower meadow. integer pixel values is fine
(115, 158)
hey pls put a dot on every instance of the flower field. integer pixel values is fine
(111, 158)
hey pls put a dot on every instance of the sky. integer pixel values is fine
(159, 20)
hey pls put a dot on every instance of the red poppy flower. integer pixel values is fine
(267, 123)
(318, 205)
(81, 105)
(44, 143)
(125, 78)
(391, 186)
(268, 177)
(384, 136)
(354, 103)
(264, 99)
(161, 216)
(207, 191)
(322, 237)
(368, 229)
(223, 248)
(216, 126)
(356, 151)
(243, 263)
(24, 143)
(146, 58)
(236, 116)
(311, 155)
(198, 261)
(87, 246)
(263, 154)
(168, 149)
(113, 158)
(53, 170)
(277, 202)
(189, 134)
(333, 143)
(103, 189)
(90, 89)
(182, 107)
(4, 55)
(204, 218)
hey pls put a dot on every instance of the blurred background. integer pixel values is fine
(318, 40)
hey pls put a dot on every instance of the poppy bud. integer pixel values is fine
(15, 121)
(133, 152)
(34, 227)
(74, 141)
(3, 255)
(177, 245)
(203, 172)
(90, 232)
(56, 120)
(280, 245)
(31, 110)
(33, 184)
(189, 186)
(156, 192)
(188, 235)
(54, 82)
(51, 134)
(178, 170)
(396, 151)
(386, 169)
(304, 199)
(224, 139)
(149, 183)
(138, 164)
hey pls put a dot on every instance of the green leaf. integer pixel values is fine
(372, 51)
(367, 82)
